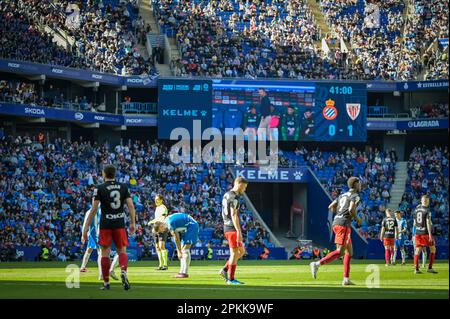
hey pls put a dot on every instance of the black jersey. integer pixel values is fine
(343, 216)
(112, 196)
(420, 215)
(308, 127)
(389, 224)
(230, 200)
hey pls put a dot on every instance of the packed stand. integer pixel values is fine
(105, 34)
(428, 174)
(431, 110)
(375, 169)
(432, 25)
(247, 39)
(373, 29)
(45, 191)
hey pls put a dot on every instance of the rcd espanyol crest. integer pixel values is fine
(353, 110)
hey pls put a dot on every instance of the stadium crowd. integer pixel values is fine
(248, 39)
(431, 110)
(375, 168)
(45, 191)
(104, 36)
(428, 174)
(234, 38)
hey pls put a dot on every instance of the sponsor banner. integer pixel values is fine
(409, 125)
(381, 125)
(133, 120)
(422, 124)
(75, 74)
(224, 253)
(378, 86)
(181, 102)
(422, 85)
(28, 253)
(76, 116)
(280, 175)
(443, 43)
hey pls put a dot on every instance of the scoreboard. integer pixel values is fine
(319, 111)
(334, 111)
(341, 112)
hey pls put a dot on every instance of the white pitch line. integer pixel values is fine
(374, 290)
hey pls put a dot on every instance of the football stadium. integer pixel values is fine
(224, 149)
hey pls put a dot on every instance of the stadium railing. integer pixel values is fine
(377, 111)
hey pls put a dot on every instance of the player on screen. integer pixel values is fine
(423, 237)
(112, 196)
(345, 208)
(160, 239)
(290, 126)
(184, 230)
(400, 241)
(308, 125)
(388, 235)
(232, 229)
(251, 122)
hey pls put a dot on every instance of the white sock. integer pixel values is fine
(187, 256)
(402, 251)
(114, 263)
(394, 257)
(159, 257)
(183, 264)
(99, 264)
(424, 258)
(85, 259)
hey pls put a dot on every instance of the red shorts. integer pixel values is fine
(422, 240)
(388, 241)
(119, 235)
(342, 235)
(231, 236)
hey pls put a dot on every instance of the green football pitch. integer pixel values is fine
(263, 280)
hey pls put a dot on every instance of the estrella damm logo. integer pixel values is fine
(330, 112)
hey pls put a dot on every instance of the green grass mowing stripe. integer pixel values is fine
(253, 288)
(280, 279)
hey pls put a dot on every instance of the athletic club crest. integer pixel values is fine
(353, 110)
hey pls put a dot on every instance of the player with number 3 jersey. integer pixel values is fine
(112, 196)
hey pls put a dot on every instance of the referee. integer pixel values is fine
(160, 239)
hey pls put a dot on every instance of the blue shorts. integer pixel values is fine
(400, 242)
(93, 242)
(190, 236)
